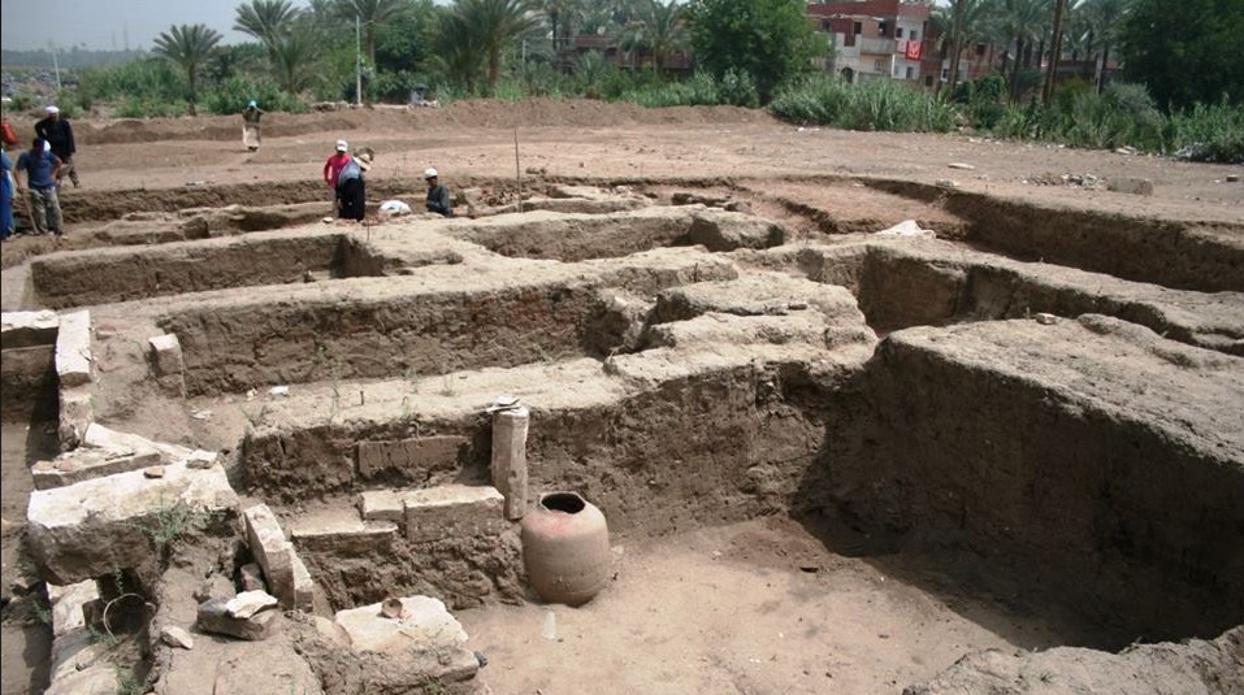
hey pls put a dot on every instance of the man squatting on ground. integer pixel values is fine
(439, 200)
(56, 130)
(41, 167)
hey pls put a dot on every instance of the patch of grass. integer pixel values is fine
(170, 523)
(873, 105)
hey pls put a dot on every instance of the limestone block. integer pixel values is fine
(96, 526)
(75, 651)
(73, 349)
(99, 679)
(248, 603)
(382, 505)
(85, 464)
(77, 414)
(1133, 186)
(251, 576)
(166, 355)
(213, 616)
(26, 328)
(175, 636)
(425, 625)
(454, 511)
(287, 576)
(509, 458)
(101, 437)
(412, 458)
(342, 535)
(718, 230)
(67, 603)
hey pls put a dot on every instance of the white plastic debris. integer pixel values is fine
(908, 228)
(961, 166)
(1046, 319)
(549, 630)
(279, 391)
(394, 208)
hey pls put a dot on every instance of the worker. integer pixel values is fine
(352, 188)
(438, 195)
(250, 125)
(42, 167)
(6, 194)
(55, 129)
(332, 171)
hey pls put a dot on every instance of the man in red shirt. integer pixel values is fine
(332, 170)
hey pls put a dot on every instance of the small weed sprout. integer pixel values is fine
(170, 523)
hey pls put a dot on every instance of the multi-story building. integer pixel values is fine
(875, 39)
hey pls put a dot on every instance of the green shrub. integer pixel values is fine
(873, 105)
(738, 88)
(148, 107)
(232, 96)
(152, 78)
(1213, 133)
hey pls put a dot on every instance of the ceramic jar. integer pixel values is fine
(566, 549)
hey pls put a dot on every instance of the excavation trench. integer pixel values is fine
(894, 397)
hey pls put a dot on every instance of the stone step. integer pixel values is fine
(86, 464)
(340, 530)
(428, 514)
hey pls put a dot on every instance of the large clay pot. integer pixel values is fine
(566, 549)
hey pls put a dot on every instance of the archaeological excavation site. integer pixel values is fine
(805, 434)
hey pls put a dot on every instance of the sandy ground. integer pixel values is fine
(596, 140)
(753, 608)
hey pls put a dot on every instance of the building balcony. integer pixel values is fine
(876, 46)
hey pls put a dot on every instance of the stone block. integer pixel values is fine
(67, 603)
(101, 437)
(718, 230)
(382, 505)
(411, 458)
(1130, 185)
(85, 464)
(248, 603)
(251, 577)
(454, 511)
(26, 328)
(73, 349)
(98, 679)
(166, 355)
(214, 617)
(509, 458)
(77, 414)
(342, 533)
(272, 551)
(75, 651)
(425, 625)
(304, 586)
(94, 527)
(175, 636)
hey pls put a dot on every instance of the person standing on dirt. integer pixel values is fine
(6, 194)
(41, 167)
(439, 200)
(250, 125)
(352, 188)
(332, 171)
(56, 130)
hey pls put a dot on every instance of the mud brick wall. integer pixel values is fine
(103, 276)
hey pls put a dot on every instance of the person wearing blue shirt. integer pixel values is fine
(6, 196)
(41, 168)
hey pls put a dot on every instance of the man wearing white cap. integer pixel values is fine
(56, 130)
(439, 200)
(332, 170)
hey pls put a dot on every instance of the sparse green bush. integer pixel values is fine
(232, 95)
(738, 88)
(150, 78)
(152, 107)
(1213, 133)
(873, 105)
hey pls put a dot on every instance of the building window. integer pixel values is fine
(915, 35)
(880, 28)
(858, 28)
(945, 73)
(898, 33)
(928, 80)
(877, 65)
(911, 74)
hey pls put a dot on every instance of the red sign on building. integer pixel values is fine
(914, 50)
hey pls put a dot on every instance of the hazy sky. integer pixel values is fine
(101, 24)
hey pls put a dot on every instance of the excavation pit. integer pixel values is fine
(854, 458)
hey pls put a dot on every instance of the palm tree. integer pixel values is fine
(189, 46)
(491, 25)
(969, 23)
(657, 28)
(294, 58)
(1022, 22)
(266, 20)
(371, 13)
(1104, 19)
(1056, 48)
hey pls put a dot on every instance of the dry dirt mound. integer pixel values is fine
(480, 113)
